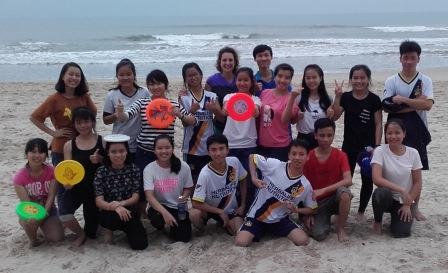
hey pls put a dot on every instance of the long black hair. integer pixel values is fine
(174, 161)
(324, 98)
(82, 87)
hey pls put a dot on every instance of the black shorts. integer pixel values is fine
(281, 228)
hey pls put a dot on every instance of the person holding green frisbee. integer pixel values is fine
(35, 182)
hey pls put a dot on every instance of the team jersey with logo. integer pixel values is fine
(218, 189)
(268, 204)
(419, 85)
(195, 136)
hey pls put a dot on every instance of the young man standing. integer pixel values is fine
(408, 95)
(265, 76)
(328, 171)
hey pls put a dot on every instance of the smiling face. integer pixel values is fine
(157, 89)
(218, 152)
(72, 77)
(35, 158)
(125, 77)
(297, 156)
(263, 59)
(394, 134)
(359, 80)
(283, 79)
(117, 154)
(243, 82)
(84, 126)
(312, 79)
(227, 62)
(163, 150)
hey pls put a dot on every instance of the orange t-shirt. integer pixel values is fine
(59, 109)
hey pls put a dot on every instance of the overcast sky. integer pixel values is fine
(107, 8)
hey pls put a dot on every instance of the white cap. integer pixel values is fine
(116, 138)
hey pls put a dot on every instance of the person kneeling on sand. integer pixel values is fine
(328, 170)
(282, 189)
(116, 186)
(215, 193)
(397, 171)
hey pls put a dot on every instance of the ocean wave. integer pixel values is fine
(140, 38)
(408, 28)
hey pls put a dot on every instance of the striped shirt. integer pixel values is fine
(148, 133)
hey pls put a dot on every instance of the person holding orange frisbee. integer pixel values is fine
(157, 83)
(35, 182)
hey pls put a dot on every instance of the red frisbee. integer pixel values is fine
(240, 107)
(159, 113)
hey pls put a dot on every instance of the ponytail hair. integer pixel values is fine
(174, 160)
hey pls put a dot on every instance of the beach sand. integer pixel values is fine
(425, 251)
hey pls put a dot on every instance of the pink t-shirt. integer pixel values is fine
(36, 187)
(273, 132)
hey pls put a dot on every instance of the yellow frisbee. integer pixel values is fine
(69, 172)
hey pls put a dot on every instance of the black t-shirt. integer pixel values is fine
(117, 185)
(359, 120)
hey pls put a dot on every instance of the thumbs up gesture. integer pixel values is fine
(96, 158)
(119, 111)
(194, 106)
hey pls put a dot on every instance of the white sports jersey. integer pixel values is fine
(396, 85)
(267, 206)
(218, 189)
(195, 136)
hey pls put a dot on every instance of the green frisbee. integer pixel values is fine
(27, 210)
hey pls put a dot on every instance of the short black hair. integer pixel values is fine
(39, 143)
(217, 138)
(261, 48)
(324, 123)
(410, 46)
(156, 76)
(284, 66)
(298, 142)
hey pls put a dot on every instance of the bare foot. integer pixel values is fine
(376, 228)
(108, 237)
(419, 216)
(360, 217)
(342, 236)
(35, 243)
(80, 240)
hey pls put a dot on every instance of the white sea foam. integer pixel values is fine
(408, 28)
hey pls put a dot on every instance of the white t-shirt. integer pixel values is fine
(395, 85)
(397, 169)
(132, 126)
(241, 134)
(218, 190)
(267, 206)
(306, 124)
(167, 186)
(195, 136)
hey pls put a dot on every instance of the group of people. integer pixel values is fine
(249, 176)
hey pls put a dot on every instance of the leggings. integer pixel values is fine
(181, 232)
(382, 201)
(367, 183)
(134, 230)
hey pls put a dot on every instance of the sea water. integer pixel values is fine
(35, 49)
